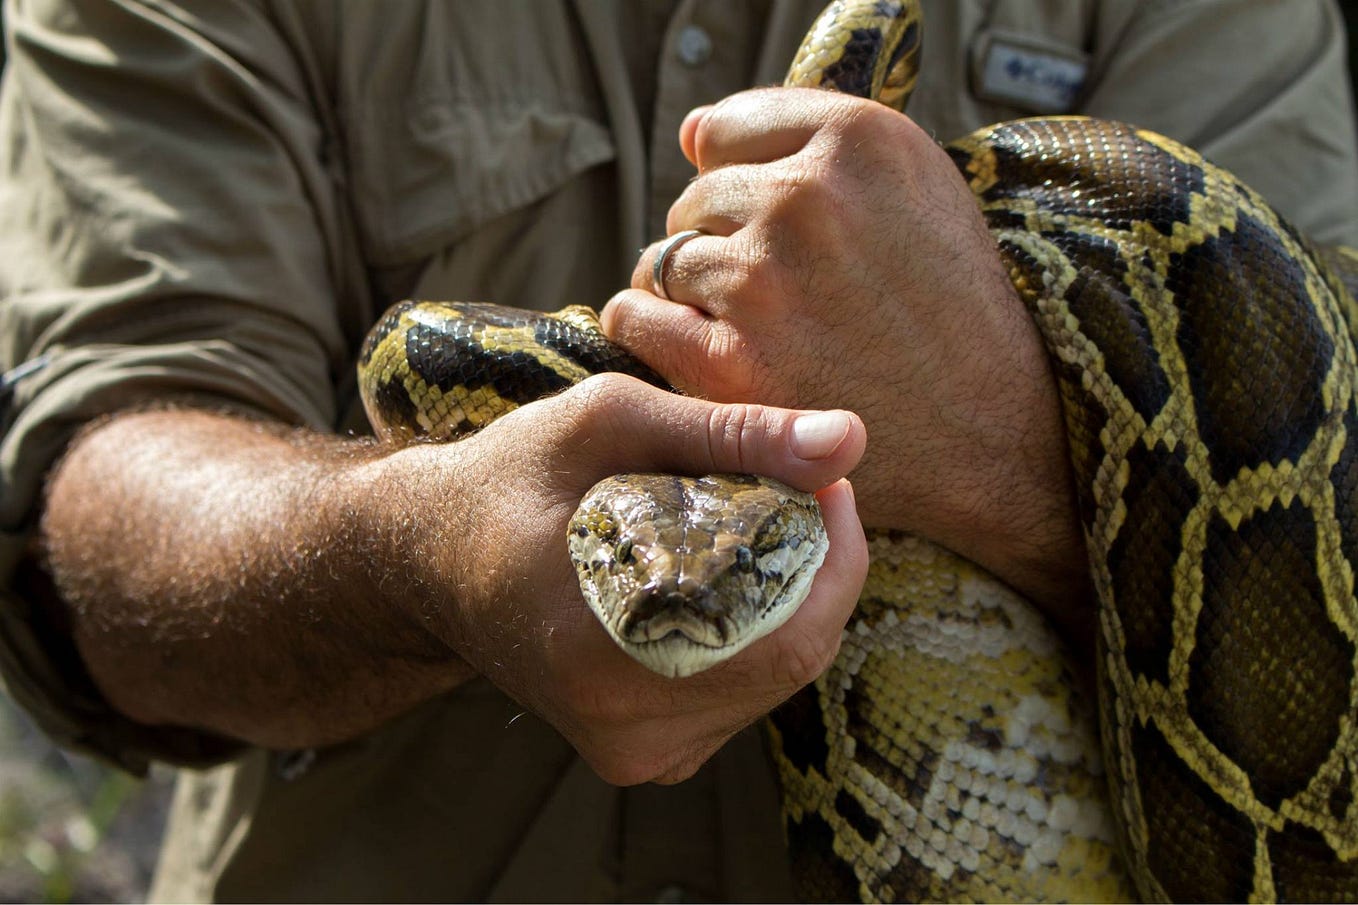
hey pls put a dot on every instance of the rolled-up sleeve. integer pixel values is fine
(169, 230)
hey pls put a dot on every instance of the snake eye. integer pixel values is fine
(623, 553)
(745, 558)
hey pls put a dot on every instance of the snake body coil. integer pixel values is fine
(1205, 356)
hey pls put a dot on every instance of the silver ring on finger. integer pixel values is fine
(669, 245)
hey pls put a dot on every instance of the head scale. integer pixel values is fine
(682, 593)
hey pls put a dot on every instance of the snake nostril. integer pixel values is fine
(655, 611)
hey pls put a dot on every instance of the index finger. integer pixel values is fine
(757, 126)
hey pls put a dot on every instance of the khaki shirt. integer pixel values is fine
(212, 201)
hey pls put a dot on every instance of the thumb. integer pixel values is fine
(623, 424)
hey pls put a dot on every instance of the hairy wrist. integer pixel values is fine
(405, 518)
(1020, 518)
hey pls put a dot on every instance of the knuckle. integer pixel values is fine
(596, 705)
(735, 431)
(706, 130)
(803, 661)
(856, 119)
(799, 187)
(641, 273)
(708, 138)
(728, 354)
(756, 277)
(810, 208)
(691, 198)
(726, 425)
(713, 361)
(595, 399)
(682, 770)
(598, 405)
(712, 129)
(623, 770)
(619, 741)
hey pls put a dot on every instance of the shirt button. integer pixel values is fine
(695, 46)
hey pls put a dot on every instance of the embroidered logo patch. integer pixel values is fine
(1028, 71)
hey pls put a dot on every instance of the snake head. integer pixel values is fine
(685, 572)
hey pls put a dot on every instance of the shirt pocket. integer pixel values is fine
(455, 114)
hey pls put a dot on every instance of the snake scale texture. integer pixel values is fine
(1204, 351)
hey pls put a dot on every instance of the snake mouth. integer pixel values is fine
(678, 631)
(653, 614)
(680, 594)
(677, 654)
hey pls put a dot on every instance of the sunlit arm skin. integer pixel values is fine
(291, 589)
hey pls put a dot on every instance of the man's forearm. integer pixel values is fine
(217, 575)
(292, 590)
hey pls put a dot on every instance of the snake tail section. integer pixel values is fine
(949, 753)
(868, 50)
(440, 370)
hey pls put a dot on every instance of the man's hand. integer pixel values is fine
(292, 589)
(520, 619)
(848, 266)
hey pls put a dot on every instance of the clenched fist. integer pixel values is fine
(847, 265)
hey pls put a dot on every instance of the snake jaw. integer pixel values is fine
(681, 595)
(674, 605)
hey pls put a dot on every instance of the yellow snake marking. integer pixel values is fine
(979, 824)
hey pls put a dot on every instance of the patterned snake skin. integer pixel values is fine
(1205, 354)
